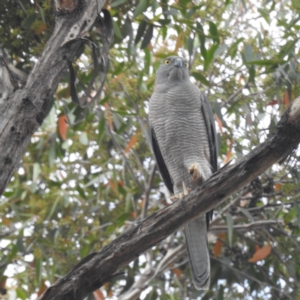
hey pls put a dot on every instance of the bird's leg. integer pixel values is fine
(185, 189)
(194, 170)
(184, 193)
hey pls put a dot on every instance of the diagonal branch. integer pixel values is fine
(98, 268)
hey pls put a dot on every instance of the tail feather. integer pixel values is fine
(197, 248)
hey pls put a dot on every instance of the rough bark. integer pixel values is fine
(98, 268)
(23, 111)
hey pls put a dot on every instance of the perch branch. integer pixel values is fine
(98, 268)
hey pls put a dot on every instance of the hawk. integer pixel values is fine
(183, 138)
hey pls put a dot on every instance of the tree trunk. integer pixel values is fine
(23, 111)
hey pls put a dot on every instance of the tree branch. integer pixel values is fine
(244, 227)
(23, 111)
(172, 255)
(98, 268)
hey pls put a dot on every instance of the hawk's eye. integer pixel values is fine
(186, 64)
(167, 61)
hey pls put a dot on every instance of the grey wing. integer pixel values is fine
(212, 140)
(160, 161)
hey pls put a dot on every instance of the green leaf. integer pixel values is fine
(147, 61)
(190, 45)
(118, 223)
(117, 30)
(42, 14)
(220, 295)
(210, 54)
(20, 243)
(220, 50)
(265, 62)
(36, 171)
(213, 30)
(229, 222)
(164, 32)
(248, 53)
(287, 48)
(297, 207)
(296, 5)
(147, 37)
(190, 12)
(21, 293)
(201, 78)
(184, 2)
(164, 22)
(116, 3)
(154, 6)
(128, 203)
(84, 250)
(234, 47)
(12, 254)
(252, 74)
(38, 271)
(140, 8)
(140, 31)
(265, 14)
(246, 213)
(29, 21)
(101, 129)
(126, 28)
(52, 152)
(201, 36)
(53, 207)
(81, 191)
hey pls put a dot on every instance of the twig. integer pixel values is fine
(150, 272)
(263, 223)
(271, 205)
(235, 94)
(226, 207)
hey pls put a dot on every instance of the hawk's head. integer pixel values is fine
(173, 68)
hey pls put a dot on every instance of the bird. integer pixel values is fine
(184, 143)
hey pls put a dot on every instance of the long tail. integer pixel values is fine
(196, 241)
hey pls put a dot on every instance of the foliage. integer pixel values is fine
(81, 185)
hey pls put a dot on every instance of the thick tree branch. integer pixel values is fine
(24, 110)
(98, 268)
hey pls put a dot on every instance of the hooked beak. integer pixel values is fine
(178, 63)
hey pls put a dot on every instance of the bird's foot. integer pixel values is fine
(177, 197)
(181, 195)
(194, 170)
